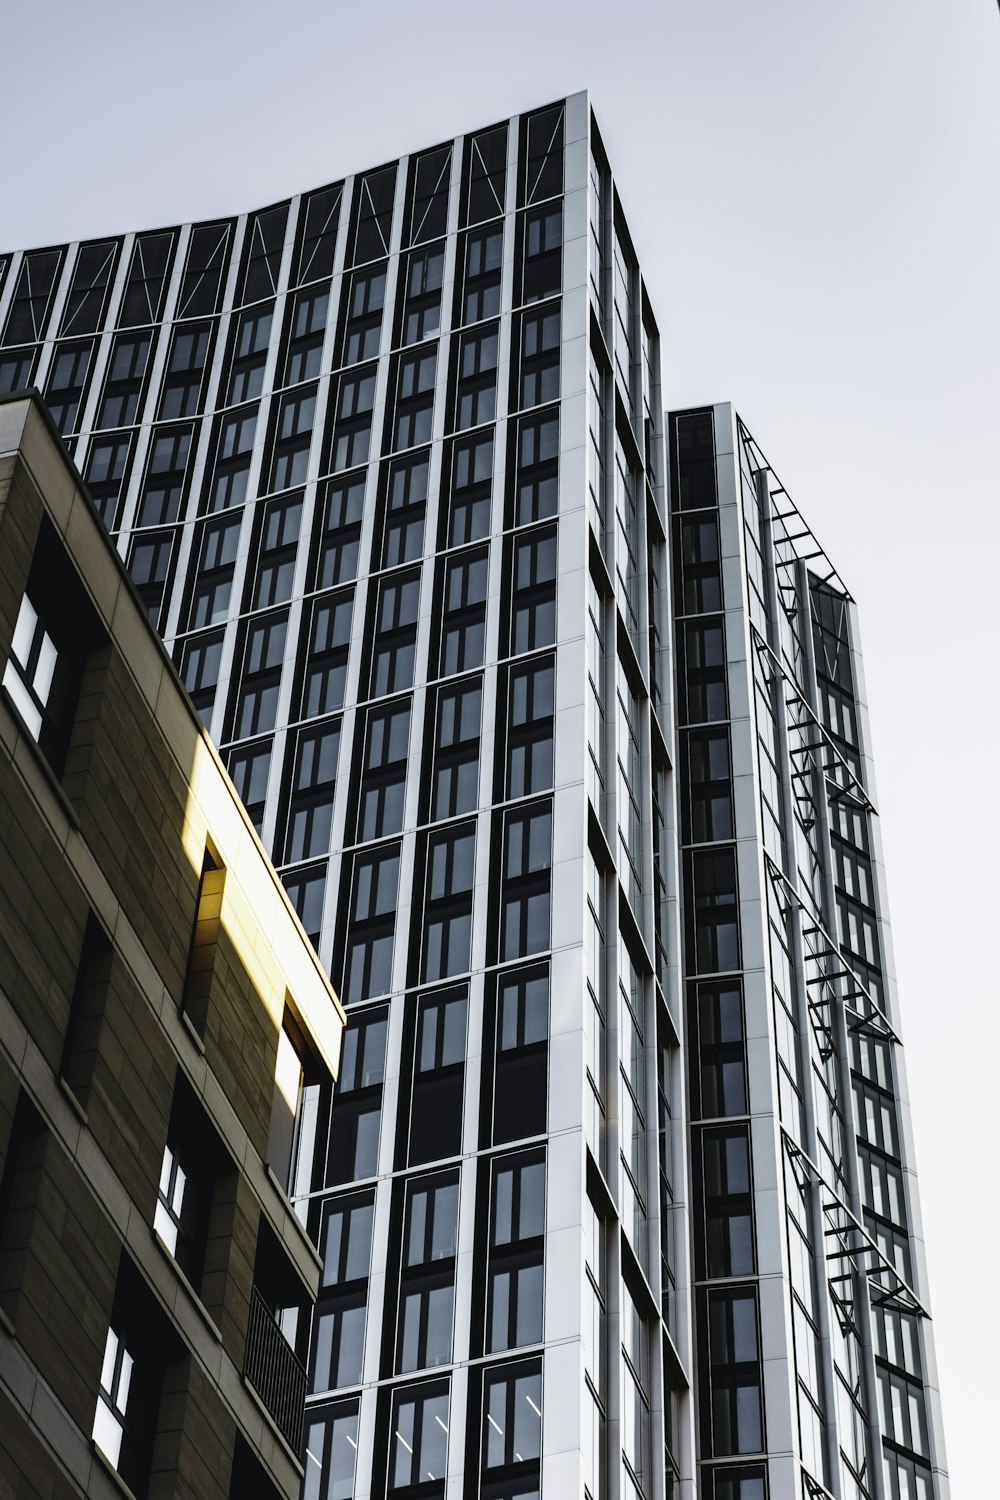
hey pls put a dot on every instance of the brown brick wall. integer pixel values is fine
(86, 1185)
(64, 1253)
(130, 800)
(45, 915)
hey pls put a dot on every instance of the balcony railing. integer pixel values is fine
(275, 1372)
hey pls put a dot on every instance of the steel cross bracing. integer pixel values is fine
(841, 781)
(813, 1489)
(838, 985)
(810, 867)
(852, 1245)
(790, 539)
(788, 900)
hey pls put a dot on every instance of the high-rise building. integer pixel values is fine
(159, 1006)
(810, 1315)
(387, 462)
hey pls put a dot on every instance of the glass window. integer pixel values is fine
(713, 921)
(374, 194)
(728, 1244)
(88, 292)
(734, 1418)
(249, 356)
(427, 1274)
(597, 386)
(695, 457)
(373, 923)
(629, 787)
(201, 661)
(451, 863)
(699, 568)
(262, 253)
(476, 397)
(346, 1240)
(542, 154)
(305, 335)
(521, 1076)
(353, 429)
(484, 188)
(525, 894)
(149, 556)
(537, 477)
(414, 415)
(597, 676)
(112, 1400)
(418, 1441)
(263, 657)
(193, 1159)
(721, 1064)
(530, 727)
(421, 314)
(278, 542)
(438, 1077)
(105, 475)
(65, 385)
(293, 434)
(463, 627)
(216, 549)
(405, 506)
(306, 891)
(249, 767)
(429, 181)
(747, 1482)
(533, 606)
(363, 327)
(124, 380)
(330, 1453)
(517, 1238)
(142, 299)
(383, 782)
(482, 272)
(29, 309)
(339, 536)
(329, 637)
(163, 483)
(703, 653)
(314, 780)
(15, 370)
(395, 643)
(624, 286)
(338, 1332)
(708, 809)
(31, 666)
(471, 489)
(542, 268)
(234, 447)
(351, 1134)
(320, 217)
(182, 381)
(512, 1430)
(456, 750)
(540, 339)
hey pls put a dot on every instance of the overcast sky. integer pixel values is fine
(813, 193)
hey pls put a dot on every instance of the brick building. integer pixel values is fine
(160, 1011)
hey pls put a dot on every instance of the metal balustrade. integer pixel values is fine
(276, 1374)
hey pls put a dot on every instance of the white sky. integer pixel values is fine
(813, 193)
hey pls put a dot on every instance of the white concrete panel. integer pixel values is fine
(563, 1283)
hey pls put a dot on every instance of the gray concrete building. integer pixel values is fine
(388, 464)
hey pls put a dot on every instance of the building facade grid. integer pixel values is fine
(388, 464)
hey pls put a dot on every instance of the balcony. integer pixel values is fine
(275, 1372)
